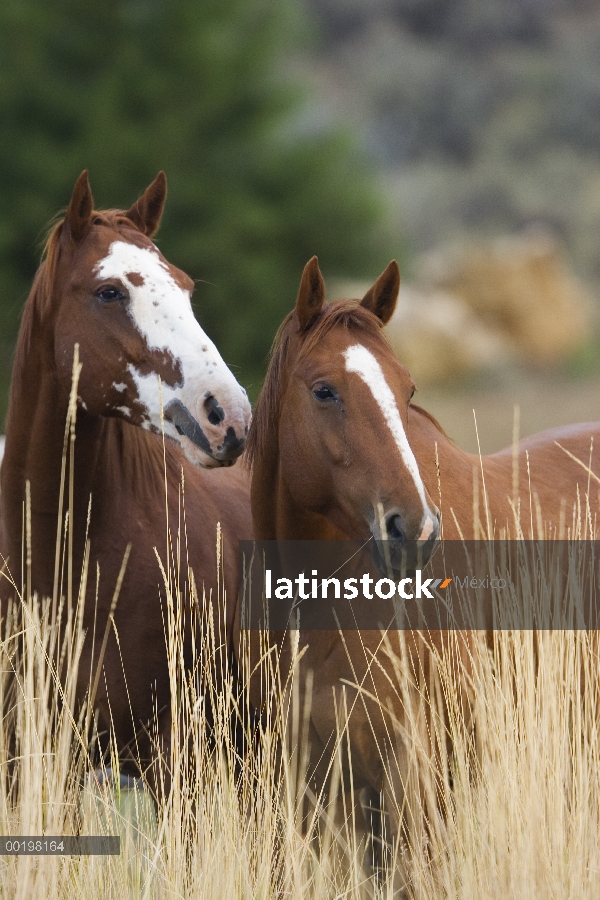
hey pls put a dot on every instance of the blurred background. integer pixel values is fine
(460, 136)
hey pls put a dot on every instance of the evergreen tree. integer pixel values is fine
(198, 88)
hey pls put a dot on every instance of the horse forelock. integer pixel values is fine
(265, 418)
(40, 296)
(345, 313)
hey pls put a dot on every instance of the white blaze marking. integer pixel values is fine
(427, 529)
(363, 363)
(160, 308)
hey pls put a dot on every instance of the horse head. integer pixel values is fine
(144, 356)
(335, 409)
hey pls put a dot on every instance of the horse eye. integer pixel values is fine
(109, 294)
(412, 394)
(323, 392)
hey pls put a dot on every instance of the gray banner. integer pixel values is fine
(57, 845)
(331, 585)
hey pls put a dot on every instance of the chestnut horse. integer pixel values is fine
(104, 286)
(335, 437)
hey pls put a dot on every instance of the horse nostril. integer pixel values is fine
(231, 447)
(213, 411)
(394, 529)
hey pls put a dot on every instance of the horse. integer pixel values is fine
(335, 438)
(156, 410)
(542, 487)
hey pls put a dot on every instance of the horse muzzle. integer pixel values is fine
(221, 442)
(399, 548)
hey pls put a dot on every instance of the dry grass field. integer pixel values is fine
(515, 811)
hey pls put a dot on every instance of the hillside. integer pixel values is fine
(483, 117)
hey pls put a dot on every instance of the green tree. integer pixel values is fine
(198, 88)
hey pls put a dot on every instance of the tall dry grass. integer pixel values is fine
(230, 824)
(515, 811)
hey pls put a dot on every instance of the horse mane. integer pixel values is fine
(432, 419)
(266, 411)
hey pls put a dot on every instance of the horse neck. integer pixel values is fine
(451, 476)
(275, 514)
(433, 449)
(35, 430)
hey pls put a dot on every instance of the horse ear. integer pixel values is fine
(79, 210)
(381, 298)
(147, 211)
(311, 294)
